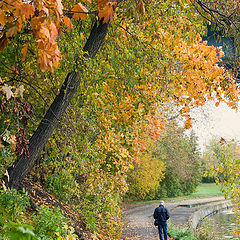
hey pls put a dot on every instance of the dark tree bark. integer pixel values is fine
(55, 112)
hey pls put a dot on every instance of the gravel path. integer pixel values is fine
(139, 221)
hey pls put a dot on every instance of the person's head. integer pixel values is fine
(161, 202)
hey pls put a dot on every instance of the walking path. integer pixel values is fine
(139, 220)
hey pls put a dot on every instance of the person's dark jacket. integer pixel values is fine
(161, 214)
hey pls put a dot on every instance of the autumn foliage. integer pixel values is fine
(153, 55)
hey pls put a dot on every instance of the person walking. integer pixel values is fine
(161, 215)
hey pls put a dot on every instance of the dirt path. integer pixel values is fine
(139, 220)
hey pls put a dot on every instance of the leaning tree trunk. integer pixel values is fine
(55, 112)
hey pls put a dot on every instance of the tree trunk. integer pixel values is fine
(55, 112)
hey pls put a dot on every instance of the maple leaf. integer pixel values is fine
(106, 12)
(54, 32)
(68, 23)
(141, 8)
(79, 12)
(43, 60)
(102, 3)
(27, 10)
(44, 31)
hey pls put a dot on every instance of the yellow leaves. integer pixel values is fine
(79, 12)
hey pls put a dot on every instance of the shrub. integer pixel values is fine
(51, 224)
(12, 205)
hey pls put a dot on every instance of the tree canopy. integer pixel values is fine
(110, 66)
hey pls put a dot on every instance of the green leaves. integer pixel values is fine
(19, 231)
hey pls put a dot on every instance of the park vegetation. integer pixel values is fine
(170, 167)
(222, 162)
(84, 90)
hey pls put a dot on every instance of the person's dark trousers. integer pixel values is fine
(162, 229)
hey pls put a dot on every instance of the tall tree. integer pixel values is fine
(179, 65)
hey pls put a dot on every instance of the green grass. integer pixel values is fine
(206, 190)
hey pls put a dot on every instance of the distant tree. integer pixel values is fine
(223, 162)
(182, 161)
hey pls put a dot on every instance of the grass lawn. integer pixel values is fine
(206, 190)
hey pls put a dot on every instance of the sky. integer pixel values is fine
(211, 121)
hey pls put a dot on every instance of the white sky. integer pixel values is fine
(211, 121)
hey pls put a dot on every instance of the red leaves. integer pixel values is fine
(22, 143)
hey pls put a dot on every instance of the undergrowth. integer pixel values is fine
(18, 223)
(203, 232)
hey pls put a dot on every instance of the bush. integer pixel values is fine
(12, 205)
(51, 225)
(18, 231)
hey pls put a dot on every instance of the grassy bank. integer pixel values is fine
(204, 232)
(204, 190)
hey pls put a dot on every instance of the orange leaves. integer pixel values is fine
(24, 51)
(44, 28)
(43, 19)
(105, 8)
(79, 12)
(188, 123)
(3, 43)
(68, 23)
(2, 17)
(200, 76)
(154, 126)
(26, 11)
(48, 52)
